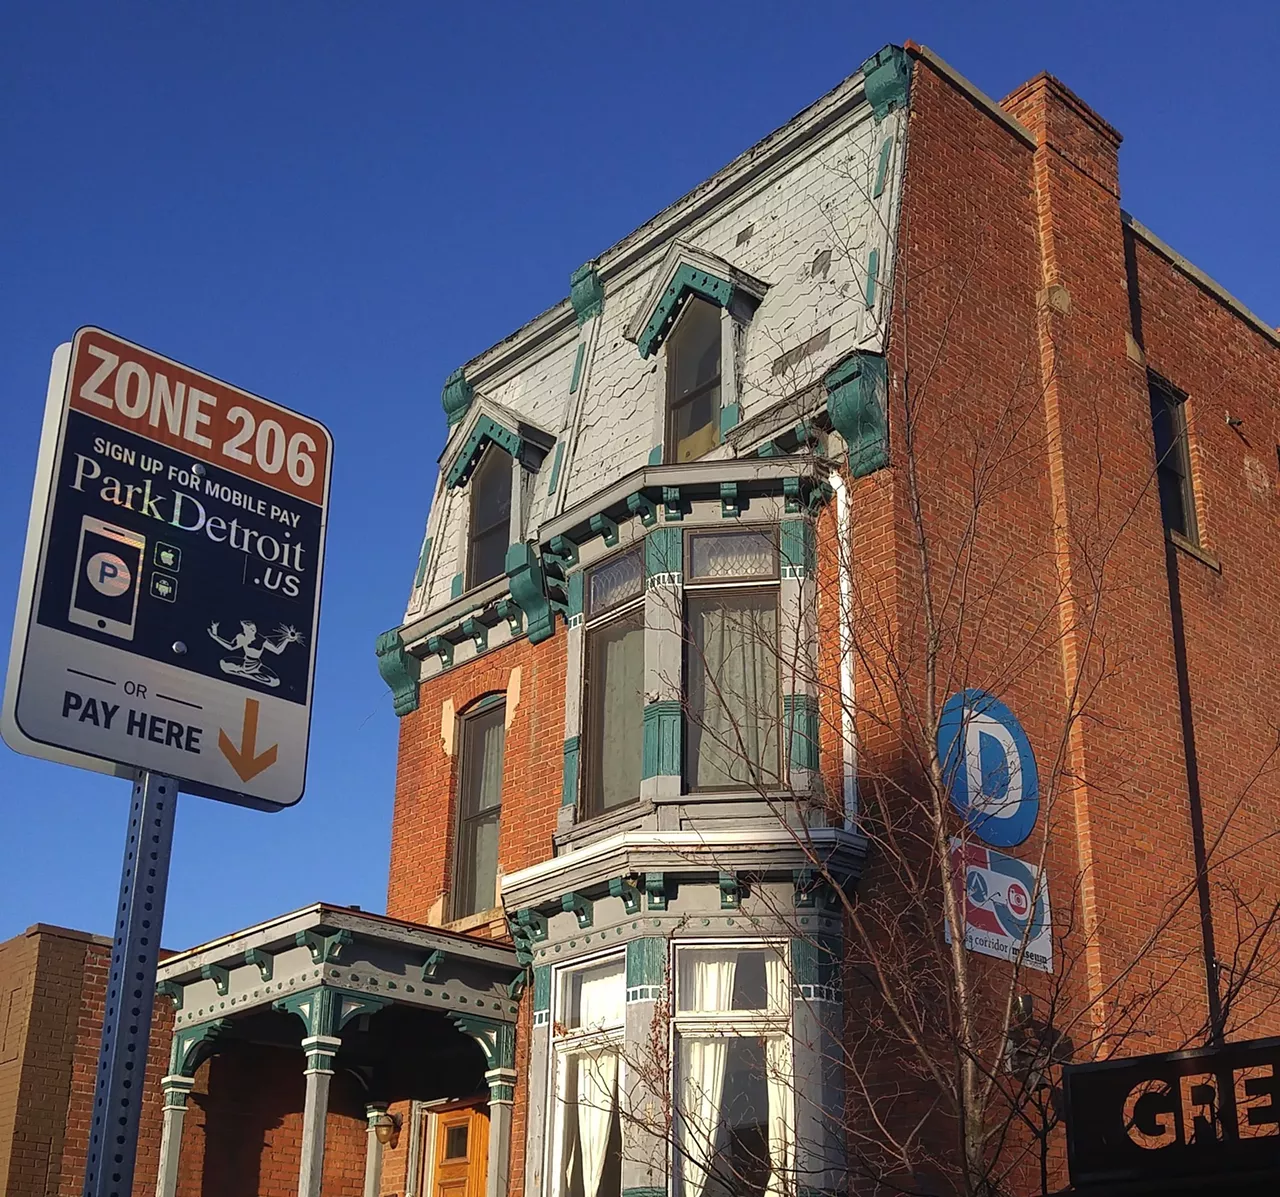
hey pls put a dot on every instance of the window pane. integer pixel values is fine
(732, 1118)
(615, 581)
(1173, 476)
(747, 554)
(615, 713)
(693, 349)
(733, 726)
(588, 1128)
(479, 809)
(696, 425)
(483, 737)
(722, 980)
(595, 997)
(490, 517)
(455, 1142)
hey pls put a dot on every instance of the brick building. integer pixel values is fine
(893, 502)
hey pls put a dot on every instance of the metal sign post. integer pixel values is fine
(131, 989)
(165, 632)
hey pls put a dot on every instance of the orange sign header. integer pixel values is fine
(151, 396)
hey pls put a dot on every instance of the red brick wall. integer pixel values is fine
(422, 829)
(243, 1130)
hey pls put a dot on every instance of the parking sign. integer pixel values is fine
(170, 590)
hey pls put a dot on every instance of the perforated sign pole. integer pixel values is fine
(131, 989)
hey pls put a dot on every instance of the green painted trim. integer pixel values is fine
(431, 965)
(572, 755)
(486, 431)
(532, 921)
(882, 170)
(564, 550)
(644, 507)
(457, 396)
(856, 390)
(730, 417)
(497, 1039)
(529, 591)
(576, 586)
(886, 80)
(730, 504)
(672, 505)
(686, 281)
(172, 990)
(555, 468)
(580, 906)
(797, 548)
(542, 987)
(477, 631)
(324, 949)
(663, 739)
(730, 890)
(646, 961)
(577, 367)
(620, 887)
(663, 552)
(586, 292)
(192, 1045)
(325, 1010)
(399, 669)
(505, 609)
(424, 556)
(646, 1191)
(655, 889)
(602, 525)
(457, 586)
(800, 717)
(655, 455)
(815, 960)
(440, 647)
(873, 271)
(219, 975)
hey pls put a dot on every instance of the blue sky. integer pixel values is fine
(335, 204)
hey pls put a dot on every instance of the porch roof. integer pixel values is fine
(362, 954)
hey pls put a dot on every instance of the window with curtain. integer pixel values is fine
(475, 872)
(1173, 458)
(490, 529)
(586, 1139)
(613, 707)
(693, 382)
(733, 705)
(733, 1071)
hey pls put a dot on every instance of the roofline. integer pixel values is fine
(318, 910)
(1198, 276)
(975, 93)
(624, 255)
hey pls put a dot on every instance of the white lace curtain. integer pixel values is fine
(601, 1005)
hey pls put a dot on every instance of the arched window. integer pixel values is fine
(693, 382)
(490, 517)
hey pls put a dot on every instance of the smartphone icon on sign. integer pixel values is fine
(104, 595)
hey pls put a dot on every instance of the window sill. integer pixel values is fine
(482, 918)
(746, 794)
(596, 825)
(1194, 550)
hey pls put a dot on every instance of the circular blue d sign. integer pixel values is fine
(988, 767)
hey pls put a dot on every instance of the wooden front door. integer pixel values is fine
(462, 1152)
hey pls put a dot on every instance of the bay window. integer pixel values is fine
(733, 725)
(733, 1071)
(586, 1144)
(614, 699)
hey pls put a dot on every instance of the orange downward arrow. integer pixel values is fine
(242, 759)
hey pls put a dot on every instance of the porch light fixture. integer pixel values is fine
(386, 1129)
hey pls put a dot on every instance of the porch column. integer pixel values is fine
(374, 1113)
(320, 1051)
(502, 1097)
(175, 1088)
